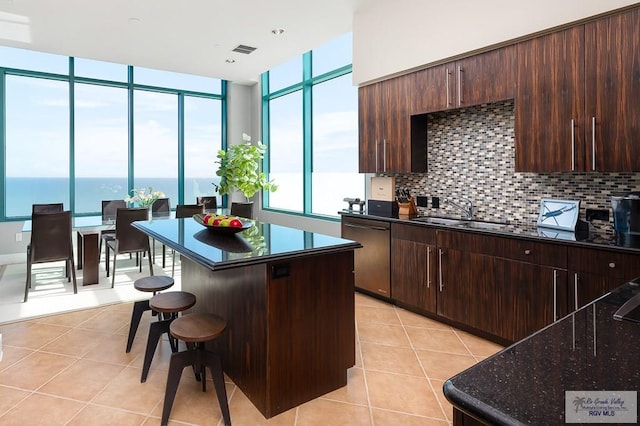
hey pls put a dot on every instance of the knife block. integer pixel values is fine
(408, 208)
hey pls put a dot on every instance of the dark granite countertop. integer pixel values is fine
(588, 238)
(261, 243)
(525, 383)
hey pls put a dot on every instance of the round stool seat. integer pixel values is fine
(153, 283)
(196, 328)
(172, 301)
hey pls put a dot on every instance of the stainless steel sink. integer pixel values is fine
(439, 220)
(482, 225)
(474, 224)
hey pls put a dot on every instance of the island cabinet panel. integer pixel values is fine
(384, 121)
(612, 91)
(478, 79)
(414, 267)
(549, 104)
(290, 325)
(594, 272)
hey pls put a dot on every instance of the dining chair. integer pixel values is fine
(210, 203)
(128, 239)
(109, 209)
(242, 209)
(47, 208)
(185, 211)
(50, 242)
(160, 208)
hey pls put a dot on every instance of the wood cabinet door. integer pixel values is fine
(413, 274)
(396, 140)
(466, 289)
(528, 297)
(435, 89)
(486, 77)
(370, 127)
(613, 92)
(549, 103)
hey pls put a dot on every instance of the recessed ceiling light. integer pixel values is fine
(277, 31)
(230, 61)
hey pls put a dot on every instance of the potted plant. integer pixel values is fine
(239, 170)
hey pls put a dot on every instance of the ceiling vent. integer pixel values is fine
(241, 48)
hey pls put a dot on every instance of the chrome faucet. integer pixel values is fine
(467, 209)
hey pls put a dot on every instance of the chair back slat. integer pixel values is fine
(130, 239)
(110, 207)
(188, 210)
(47, 208)
(161, 207)
(51, 237)
(210, 203)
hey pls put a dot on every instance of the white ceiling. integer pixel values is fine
(191, 36)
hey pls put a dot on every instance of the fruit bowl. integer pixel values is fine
(206, 221)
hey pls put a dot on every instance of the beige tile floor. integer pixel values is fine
(71, 369)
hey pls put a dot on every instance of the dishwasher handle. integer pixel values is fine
(375, 228)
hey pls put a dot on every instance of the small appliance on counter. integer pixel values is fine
(382, 201)
(626, 218)
(355, 202)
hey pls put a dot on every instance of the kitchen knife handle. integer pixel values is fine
(573, 145)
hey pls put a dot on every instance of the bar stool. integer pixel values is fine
(195, 330)
(151, 284)
(170, 304)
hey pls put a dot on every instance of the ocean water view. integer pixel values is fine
(22, 192)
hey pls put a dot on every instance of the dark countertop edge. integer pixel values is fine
(496, 232)
(235, 263)
(475, 408)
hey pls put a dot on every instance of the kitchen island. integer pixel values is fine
(288, 298)
(527, 382)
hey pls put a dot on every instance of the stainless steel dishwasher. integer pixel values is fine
(372, 261)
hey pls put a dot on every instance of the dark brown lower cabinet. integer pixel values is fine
(594, 272)
(414, 267)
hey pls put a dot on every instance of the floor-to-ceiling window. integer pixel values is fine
(310, 124)
(79, 131)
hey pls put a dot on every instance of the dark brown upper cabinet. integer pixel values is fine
(577, 97)
(549, 103)
(612, 93)
(384, 117)
(483, 78)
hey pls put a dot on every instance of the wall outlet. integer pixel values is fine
(596, 214)
(435, 202)
(18, 236)
(422, 201)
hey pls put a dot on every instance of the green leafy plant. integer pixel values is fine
(240, 169)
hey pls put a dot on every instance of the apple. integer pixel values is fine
(210, 220)
(205, 218)
(215, 222)
(224, 222)
(235, 223)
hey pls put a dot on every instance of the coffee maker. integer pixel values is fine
(626, 218)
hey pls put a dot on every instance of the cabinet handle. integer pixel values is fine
(460, 71)
(612, 265)
(555, 295)
(384, 155)
(447, 87)
(575, 291)
(573, 145)
(593, 143)
(428, 267)
(440, 268)
(527, 252)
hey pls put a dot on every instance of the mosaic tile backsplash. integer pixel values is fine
(471, 155)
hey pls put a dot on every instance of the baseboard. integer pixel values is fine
(9, 259)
